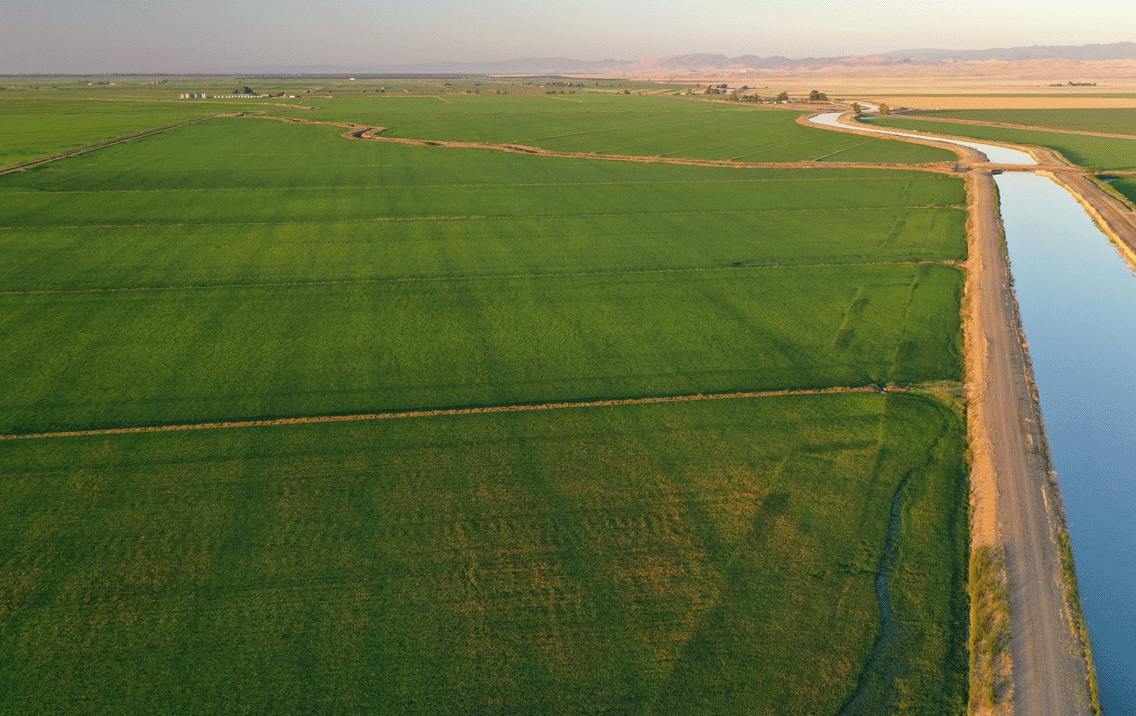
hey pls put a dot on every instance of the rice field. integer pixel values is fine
(628, 125)
(1108, 121)
(1088, 151)
(694, 558)
(708, 556)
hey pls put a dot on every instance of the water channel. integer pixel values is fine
(996, 154)
(1077, 298)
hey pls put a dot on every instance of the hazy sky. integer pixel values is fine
(207, 35)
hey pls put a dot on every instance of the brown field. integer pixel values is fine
(980, 102)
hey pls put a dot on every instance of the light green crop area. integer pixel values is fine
(1109, 121)
(628, 559)
(628, 125)
(710, 556)
(34, 127)
(551, 305)
(1087, 151)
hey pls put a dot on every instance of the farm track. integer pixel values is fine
(361, 417)
(349, 282)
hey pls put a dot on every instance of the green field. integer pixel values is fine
(694, 558)
(1109, 121)
(681, 557)
(548, 307)
(626, 125)
(1087, 151)
(1126, 186)
(34, 127)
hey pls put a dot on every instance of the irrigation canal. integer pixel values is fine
(1077, 299)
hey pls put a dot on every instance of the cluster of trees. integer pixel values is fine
(816, 96)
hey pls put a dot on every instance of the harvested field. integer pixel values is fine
(1076, 102)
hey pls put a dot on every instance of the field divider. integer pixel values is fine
(368, 133)
(483, 217)
(661, 182)
(413, 279)
(445, 412)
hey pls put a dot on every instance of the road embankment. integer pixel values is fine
(1015, 500)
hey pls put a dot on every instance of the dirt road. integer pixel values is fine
(1111, 214)
(1011, 467)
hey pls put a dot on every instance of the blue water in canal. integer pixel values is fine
(1078, 304)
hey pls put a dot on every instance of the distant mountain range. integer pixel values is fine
(712, 62)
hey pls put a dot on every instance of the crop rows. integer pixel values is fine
(700, 556)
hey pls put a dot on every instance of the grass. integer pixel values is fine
(608, 559)
(650, 126)
(1126, 186)
(1077, 616)
(1087, 151)
(1109, 121)
(991, 685)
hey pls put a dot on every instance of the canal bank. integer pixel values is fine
(1017, 507)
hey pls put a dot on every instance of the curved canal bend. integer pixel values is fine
(1076, 296)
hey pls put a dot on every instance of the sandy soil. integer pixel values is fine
(966, 79)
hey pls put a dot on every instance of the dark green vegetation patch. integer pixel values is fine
(1126, 186)
(715, 557)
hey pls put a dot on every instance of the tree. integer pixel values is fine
(885, 110)
(783, 97)
(857, 109)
